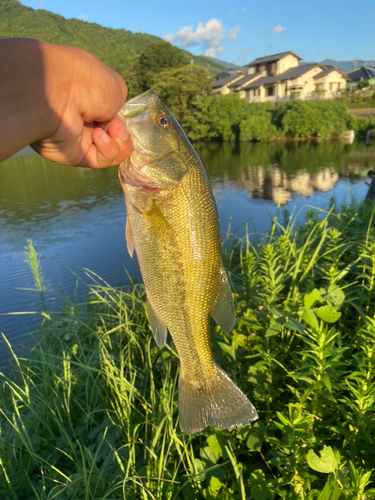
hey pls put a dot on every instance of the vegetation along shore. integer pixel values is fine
(91, 412)
(183, 82)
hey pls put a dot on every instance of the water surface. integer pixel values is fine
(76, 216)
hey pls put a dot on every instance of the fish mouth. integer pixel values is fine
(133, 176)
(135, 108)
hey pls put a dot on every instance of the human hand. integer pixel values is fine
(82, 91)
(51, 96)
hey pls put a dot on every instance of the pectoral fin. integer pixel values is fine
(129, 237)
(223, 311)
(158, 327)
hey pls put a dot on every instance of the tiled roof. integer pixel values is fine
(364, 73)
(229, 72)
(244, 80)
(274, 57)
(289, 74)
(223, 81)
(328, 69)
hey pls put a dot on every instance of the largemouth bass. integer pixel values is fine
(172, 224)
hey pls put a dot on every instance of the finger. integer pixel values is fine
(118, 132)
(102, 152)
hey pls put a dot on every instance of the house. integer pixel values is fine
(361, 74)
(220, 85)
(279, 77)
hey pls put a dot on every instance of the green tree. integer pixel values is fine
(155, 60)
(362, 84)
(297, 119)
(258, 125)
(184, 91)
(224, 114)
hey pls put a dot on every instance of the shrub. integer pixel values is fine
(224, 114)
(257, 128)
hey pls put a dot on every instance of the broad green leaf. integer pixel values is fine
(327, 313)
(215, 445)
(312, 297)
(207, 454)
(309, 316)
(198, 469)
(326, 463)
(257, 477)
(335, 295)
(259, 492)
(215, 483)
(256, 438)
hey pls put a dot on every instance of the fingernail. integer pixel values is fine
(122, 132)
(104, 137)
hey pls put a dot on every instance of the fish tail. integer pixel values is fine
(215, 402)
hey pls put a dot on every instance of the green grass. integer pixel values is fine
(91, 413)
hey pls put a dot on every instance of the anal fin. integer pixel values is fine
(223, 311)
(158, 327)
(129, 237)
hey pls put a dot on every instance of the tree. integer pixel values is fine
(157, 58)
(224, 114)
(184, 90)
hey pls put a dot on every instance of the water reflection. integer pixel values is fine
(277, 171)
(76, 216)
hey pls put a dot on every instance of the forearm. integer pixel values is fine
(24, 110)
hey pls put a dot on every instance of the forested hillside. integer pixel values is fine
(118, 48)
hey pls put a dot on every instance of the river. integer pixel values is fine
(76, 216)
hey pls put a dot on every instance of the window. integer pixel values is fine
(270, 91)
(319, 86)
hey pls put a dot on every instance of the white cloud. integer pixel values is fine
(83, 17)
(278, 29)
(209, 36)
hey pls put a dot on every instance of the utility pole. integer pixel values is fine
(355, 61)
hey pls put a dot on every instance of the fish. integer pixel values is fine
(173, 226)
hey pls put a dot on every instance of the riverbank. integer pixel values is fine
(229, 118)
(92, 411)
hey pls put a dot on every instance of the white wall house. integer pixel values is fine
(278, 77)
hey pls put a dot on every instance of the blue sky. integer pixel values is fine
(239, 31)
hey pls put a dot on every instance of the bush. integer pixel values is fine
(363, 125)
(257, 128)
(224, 114)
(302, 119)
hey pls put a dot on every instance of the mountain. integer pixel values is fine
(118, 48)
(344, 66)
(226, 65)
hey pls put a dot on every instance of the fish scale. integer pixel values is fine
(174, 228)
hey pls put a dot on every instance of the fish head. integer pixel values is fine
(161, 148)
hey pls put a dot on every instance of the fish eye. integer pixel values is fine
(164, 121)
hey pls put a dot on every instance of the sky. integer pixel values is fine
(238, 31)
